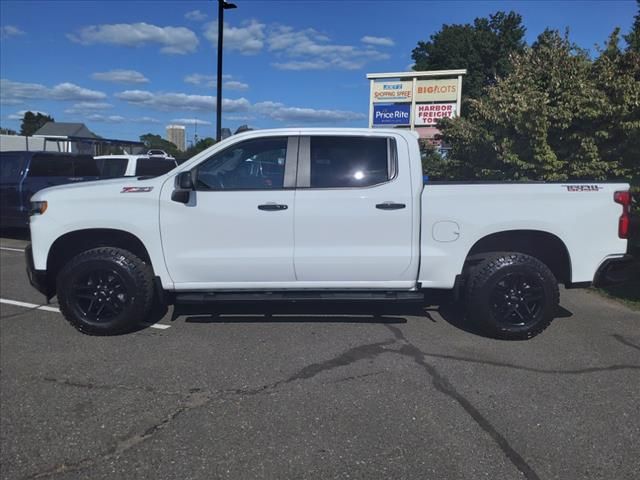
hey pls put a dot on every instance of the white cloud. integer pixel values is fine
(10, 101)
(7, 31)
(190, 121)
(235, 85)
(181, 101)
(280, 112)
(97, 117)
(195, 16)
(19, 115)
(209, 81)
(201, 80)
(12, 91)
(120, 76)
(174, 40)
(309, 49)
(82, 108)
(239, 117)
(145, 120)
(378, 41)
(247, 39)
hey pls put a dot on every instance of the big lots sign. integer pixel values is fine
(430, 113)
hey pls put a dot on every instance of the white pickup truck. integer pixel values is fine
(322, 214)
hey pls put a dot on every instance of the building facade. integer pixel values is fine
(177, 135)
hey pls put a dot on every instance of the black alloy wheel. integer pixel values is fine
(511, 296)
(105, 291)
(518, 299)
(99, 295)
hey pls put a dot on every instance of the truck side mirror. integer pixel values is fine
(183, 187)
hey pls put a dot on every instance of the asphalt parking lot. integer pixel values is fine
(317, 395)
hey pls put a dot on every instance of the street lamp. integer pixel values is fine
(222, 6)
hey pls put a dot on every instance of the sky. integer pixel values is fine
(126, 68)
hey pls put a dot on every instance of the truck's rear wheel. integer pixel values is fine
(105, 291)
(512, 296)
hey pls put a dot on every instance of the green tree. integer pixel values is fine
(31, 122)
(201, 145)
(483, 48)
(157, 142)
(557, 116)
(633, 37)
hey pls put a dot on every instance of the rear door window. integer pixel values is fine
(63, 166)
(153, 167)
(85, 167)
(112, 167)
(347, 162)
(10, 167)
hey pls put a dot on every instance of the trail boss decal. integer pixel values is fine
(583, 188)
(136, 189)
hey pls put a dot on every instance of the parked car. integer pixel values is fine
(158, 153)
(24, 173)
(113, 166)
(323, 214)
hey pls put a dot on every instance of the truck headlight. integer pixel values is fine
(38, 208)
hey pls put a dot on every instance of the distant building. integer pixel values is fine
(176, 134)
(65, 135)
(69, 138)
(225, 133)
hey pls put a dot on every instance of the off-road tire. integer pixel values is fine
(485, 290)
(136, 279)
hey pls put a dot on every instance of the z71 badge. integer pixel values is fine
(136, 189)
(583, 188)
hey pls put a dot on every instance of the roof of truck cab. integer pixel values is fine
(324, 131)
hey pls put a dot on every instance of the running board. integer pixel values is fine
(198, 298)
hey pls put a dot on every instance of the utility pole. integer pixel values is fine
(222, 6)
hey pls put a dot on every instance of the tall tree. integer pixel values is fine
(557, 116)
(633, 37)
(31, 122)
(483, 48)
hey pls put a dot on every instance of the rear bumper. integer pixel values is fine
(37, 278)
(615, 271)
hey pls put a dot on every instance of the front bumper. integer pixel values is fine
(37, 278)
(615, 271)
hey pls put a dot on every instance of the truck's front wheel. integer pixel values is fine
(105, 291)
(512, 296)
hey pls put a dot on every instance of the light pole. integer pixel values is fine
(222, 6)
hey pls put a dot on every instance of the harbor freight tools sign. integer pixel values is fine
(429, 114)
(388, 92)
(437, 90)
(392, 114)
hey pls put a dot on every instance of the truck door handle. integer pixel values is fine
(272, 207)
(390, 206)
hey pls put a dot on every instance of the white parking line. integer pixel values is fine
(29, 305)
(9, 249)
(35, 306)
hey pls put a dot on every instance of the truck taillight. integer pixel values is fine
(624, 199)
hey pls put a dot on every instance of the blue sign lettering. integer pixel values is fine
(391, 114)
